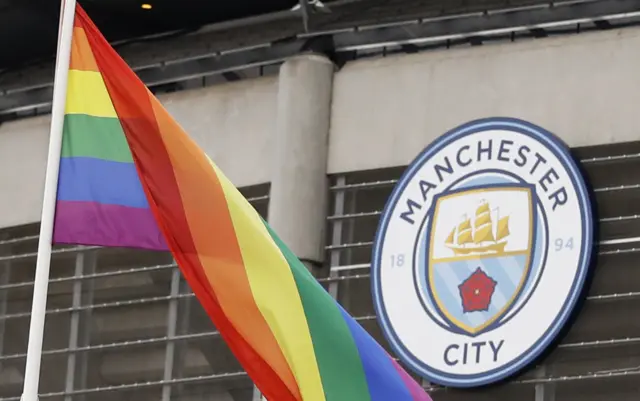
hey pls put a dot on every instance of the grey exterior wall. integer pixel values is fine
(582, 87)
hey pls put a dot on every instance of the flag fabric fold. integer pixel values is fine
(130, 176)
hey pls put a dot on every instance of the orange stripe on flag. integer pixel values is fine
(215, 240)
(81, 55)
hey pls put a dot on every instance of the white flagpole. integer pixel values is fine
(43, 262)
(257, 395)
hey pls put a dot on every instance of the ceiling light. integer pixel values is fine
(146, 6)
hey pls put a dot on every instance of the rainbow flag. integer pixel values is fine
(130, 176)
(101, 200)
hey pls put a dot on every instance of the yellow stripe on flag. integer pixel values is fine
(87, 94)
(273, 287)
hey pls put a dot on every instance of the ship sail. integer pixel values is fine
(486, 234)
(465, 232)
(465, 237)
(483, 233)
(450, 237)
(465, 225)
(484, 218)
(503, 228)
(483, 208)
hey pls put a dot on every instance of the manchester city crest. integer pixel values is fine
(482, 252)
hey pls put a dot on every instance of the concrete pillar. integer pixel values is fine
(298, 200)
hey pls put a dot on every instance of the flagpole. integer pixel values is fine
(43, 261)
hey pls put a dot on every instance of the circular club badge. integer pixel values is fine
(482, 252)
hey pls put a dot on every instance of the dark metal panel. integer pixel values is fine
(214, 52)
(480, 24)
(32, 24)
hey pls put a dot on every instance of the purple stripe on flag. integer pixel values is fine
(414, 388)
(90, 223)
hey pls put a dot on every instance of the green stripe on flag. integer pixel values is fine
(339, 362)
(97, 137)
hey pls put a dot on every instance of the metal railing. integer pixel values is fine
(84, 308)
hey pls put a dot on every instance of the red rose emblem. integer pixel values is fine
(476, 291)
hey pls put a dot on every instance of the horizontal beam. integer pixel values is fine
(487, 24)
(201, 63)
(209, 335)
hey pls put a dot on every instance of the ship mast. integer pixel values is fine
(483, 224)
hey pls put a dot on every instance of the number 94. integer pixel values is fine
(561, 243)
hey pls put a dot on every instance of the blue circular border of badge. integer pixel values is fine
(561, 151)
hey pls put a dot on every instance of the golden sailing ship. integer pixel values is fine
(484, 235)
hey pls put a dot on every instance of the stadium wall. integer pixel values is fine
(132, 313)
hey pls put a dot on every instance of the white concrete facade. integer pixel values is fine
(582, 87)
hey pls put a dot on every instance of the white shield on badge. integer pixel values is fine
(480, 243)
